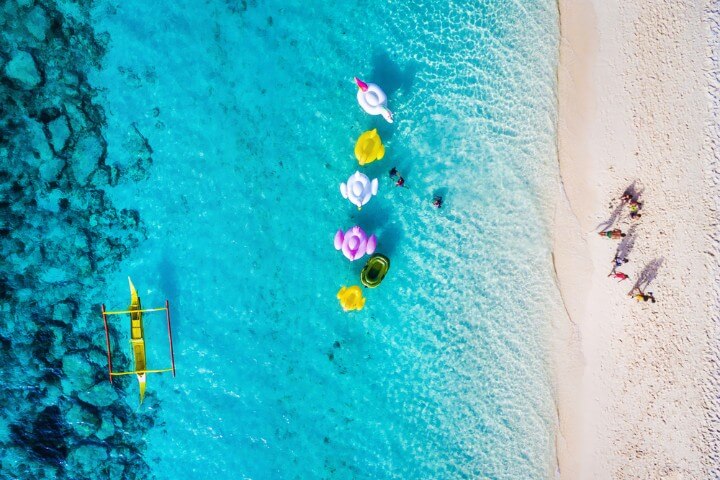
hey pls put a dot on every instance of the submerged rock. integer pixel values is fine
(54, 275)
(79, 374)
(101, 395)
(45, 435)
(21, 69)
(36, 23)
(59, 133)
(39, 149)
(83, 422)
(51, 145)
(107, 429)
(101, 177)
(50, 169)
(88, 460)
(63, 312)
(86, 157)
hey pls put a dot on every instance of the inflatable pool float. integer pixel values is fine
(359, 189)
(373, 100)
(355, 243)
(369, 147)
(375, 270)
(351, 298)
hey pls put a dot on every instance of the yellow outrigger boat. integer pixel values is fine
(137, 339)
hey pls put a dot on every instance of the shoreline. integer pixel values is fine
(634, 381)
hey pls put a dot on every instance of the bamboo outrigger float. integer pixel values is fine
(137, 339)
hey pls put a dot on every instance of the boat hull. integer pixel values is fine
(137, 338)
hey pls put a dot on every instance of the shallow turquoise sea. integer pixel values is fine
(250, 111)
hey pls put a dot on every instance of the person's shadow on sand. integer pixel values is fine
(647, 275)
(634, 192)
(626, 244)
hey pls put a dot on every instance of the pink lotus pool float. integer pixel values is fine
(355, 243)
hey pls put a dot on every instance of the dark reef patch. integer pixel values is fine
(45, 436)
(58, 233)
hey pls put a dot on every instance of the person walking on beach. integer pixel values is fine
(618, 262)
(640, 296)
(635, 209)
(615, 234)
(619, 275)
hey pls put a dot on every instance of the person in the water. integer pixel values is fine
(393, 172)
(437, 201)
(400, 182)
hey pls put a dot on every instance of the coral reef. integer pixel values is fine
(58, 233)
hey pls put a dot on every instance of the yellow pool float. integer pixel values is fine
(351, 298)
(369, 147)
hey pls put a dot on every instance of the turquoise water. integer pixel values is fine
(249, 114)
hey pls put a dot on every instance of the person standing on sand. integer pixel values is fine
(640, 296)
(618, 262)
(616, 234)
(619, 275)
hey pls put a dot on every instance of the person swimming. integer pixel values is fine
(437, 201)
(393, 172)
(400, 182)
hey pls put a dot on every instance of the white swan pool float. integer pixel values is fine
(373, 100)
(359, 189)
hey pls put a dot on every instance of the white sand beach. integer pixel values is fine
(637, 381)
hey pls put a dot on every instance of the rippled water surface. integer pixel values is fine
(249, 110)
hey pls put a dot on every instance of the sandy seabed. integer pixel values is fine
(637, 382)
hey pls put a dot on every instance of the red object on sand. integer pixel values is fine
(363, 86)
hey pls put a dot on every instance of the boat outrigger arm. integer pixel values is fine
(137, 339)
